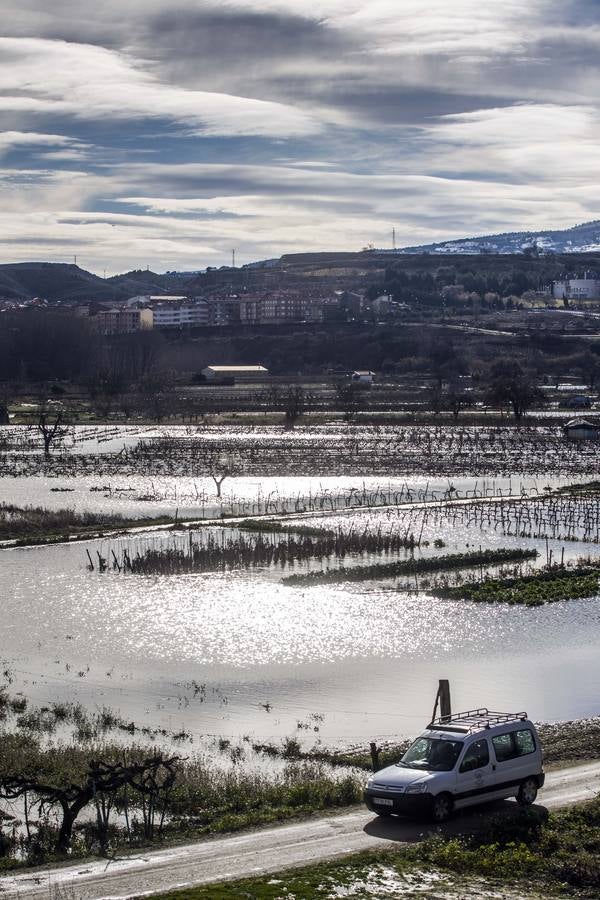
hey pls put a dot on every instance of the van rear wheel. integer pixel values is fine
(527, 792)
(441, 808)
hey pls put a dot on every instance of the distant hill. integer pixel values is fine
(142, 281)
(55, 281)
(326, 270)
(579, 239)
(66, 281)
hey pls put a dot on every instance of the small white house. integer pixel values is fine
(582, 430)
(363, 377)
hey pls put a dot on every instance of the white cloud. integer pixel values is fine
(534, 143)
(89, 82)
(11, 139)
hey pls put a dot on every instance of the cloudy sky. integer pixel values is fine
(167, 132)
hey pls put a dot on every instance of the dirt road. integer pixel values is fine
(265, 851)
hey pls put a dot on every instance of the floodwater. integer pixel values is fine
(237, 653)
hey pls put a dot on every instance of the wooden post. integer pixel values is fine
(444, 694)
(442, 698)
(374, 756)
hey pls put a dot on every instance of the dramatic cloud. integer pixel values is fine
(144, 132)
(54, 77)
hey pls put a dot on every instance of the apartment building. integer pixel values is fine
(122, 320)
(223, 310)
(274, 308)
(180, 315)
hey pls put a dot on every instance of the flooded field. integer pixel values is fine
(237, 653)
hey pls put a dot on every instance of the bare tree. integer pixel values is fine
(456, 398)
(52, 428)
(4, 417)
(295, 402)
(155, 390)
(221, 465)
(510, 385)
(349, 398)
(72, 794)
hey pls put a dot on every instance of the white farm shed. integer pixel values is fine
(239, 373)
(582, 430)
(363, 376)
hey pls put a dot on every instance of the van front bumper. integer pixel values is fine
(402, 804)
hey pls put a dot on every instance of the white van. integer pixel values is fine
(458, 761)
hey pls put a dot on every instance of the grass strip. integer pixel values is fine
(411, 566)
(33, 525)
(584, 487)
(275, 527)
(550, 586)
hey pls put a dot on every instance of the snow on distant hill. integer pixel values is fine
(580, 239)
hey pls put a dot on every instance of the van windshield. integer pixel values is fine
(432, 755)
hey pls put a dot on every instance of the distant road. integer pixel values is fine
(266, 851)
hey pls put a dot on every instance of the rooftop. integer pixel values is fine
(581, 423)
(234, 369)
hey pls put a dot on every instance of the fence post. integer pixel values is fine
(374, 756)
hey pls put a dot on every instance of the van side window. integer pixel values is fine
(504, 747)
(514, 744)
(525, 742)
(477, 756)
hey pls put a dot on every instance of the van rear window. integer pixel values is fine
(514, 744)
(525, 742)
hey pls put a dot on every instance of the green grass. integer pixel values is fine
(550, 586)
(411, 566)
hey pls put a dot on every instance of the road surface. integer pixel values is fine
(265, 851)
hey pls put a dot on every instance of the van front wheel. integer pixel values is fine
(441, 808)
(527, 792)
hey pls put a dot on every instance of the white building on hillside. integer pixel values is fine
(180, 315)
(577, 289)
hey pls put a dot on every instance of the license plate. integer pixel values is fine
(381, 801)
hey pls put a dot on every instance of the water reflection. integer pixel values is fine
(367, 657)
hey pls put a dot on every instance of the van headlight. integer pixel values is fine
(416, 789)
(369, 782)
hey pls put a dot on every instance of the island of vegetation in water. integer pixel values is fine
(30, 525)
(548, 586)
(412, 566)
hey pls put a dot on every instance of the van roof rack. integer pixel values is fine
(472, 719)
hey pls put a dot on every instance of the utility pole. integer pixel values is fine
(393, 238)
(75, 259)
(233, 259)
